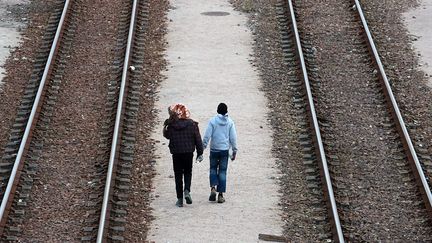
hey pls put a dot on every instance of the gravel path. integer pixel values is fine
(67, 162)
(418, 21)
(10, 30)
(208, 63)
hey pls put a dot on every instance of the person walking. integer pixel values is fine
(221, 134)
(184, 136)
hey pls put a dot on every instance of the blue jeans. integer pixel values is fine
(218, 169)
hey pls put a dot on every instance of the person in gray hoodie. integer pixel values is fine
(221, 134)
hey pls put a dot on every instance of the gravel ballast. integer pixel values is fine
(409, 82)
(319, 19)
(139, 212)
(371, 181)
(66, 165)
(67, 161)
(19, 65)
(297, 200)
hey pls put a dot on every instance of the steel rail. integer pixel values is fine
(336, 226)
(114, 144)
(406, 140)
(32, 119)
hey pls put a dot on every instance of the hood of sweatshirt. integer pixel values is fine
(181, 124)
(222, 120)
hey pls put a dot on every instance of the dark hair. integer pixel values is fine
(222, 109)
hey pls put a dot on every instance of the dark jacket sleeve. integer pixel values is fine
(198, 140)
(165, 132)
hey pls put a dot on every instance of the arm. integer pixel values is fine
(233, 138)
(166, 124)
(165, 132)
(207, 135)
(198, 141)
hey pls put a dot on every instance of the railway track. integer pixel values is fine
(342, 170)
(108, 210)
(106, 215)
(22, 151)
(326, 168)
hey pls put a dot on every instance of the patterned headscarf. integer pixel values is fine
(180, 110)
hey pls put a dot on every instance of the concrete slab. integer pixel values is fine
(9, 32)
(419, 23)
(209, 62)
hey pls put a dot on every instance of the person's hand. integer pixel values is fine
(199, 158)
(233, 156)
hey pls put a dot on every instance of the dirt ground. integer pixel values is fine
(208, 51)
(13, 18)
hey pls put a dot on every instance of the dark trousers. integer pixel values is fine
(182, 164)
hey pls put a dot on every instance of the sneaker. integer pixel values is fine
(221, 199)
(212, 195)
(179, 202)
(188, 197)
